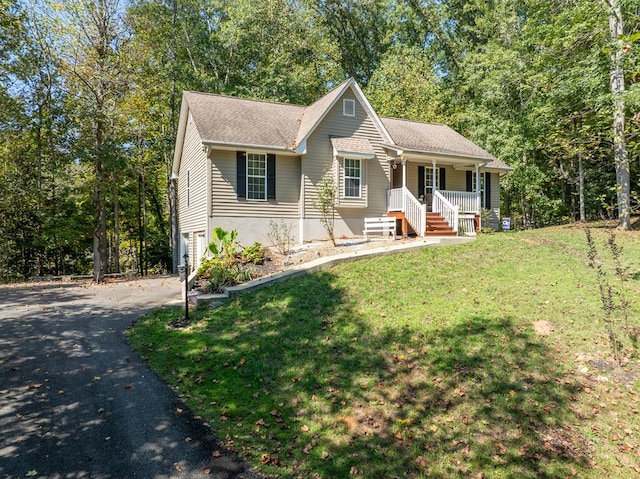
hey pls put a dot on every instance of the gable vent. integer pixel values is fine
(348, 107)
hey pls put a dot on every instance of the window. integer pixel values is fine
(352, 178)
(348, 107)
(256, 176)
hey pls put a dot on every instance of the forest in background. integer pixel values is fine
(90, 96)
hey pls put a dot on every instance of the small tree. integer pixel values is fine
(326, 204)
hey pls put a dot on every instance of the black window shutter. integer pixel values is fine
(420, 180)
(487, 190)
(271, 176)
(469, 180)
(241, 167)
(443, 179)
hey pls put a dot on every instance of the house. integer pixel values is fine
(243, 164)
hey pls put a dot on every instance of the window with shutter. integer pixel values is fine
(256, 176)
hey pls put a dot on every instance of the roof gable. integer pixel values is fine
(314, 114)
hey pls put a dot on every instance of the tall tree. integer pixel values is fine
(97, 77)
(621, 159)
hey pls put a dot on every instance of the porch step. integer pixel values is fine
(438, 226)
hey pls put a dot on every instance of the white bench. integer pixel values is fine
(384, 225)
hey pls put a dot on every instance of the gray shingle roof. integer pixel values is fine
(234, 121)
(238, 121)
(432, 138)
(358, 146)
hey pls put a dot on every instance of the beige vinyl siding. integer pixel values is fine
(194, 216)
(319, 159)
(224, 197)
(456, 179)
(494, 215)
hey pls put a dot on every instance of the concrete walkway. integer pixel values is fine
(75, 402)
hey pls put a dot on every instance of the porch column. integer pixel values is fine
(404, 184)
(478, 203)
(433, 176)
(404, 173)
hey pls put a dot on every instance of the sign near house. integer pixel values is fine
(506, 224)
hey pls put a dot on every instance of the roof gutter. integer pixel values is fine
(223, 145)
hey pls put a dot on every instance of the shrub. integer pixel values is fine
(219, 273)
(253, 254)
(224, 243)
(280, 235)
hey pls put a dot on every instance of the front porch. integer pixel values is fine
(428, 195)
(441, 213)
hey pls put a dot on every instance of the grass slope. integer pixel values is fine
(422, 364)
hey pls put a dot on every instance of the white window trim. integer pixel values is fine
(351, 111)
(263, 155)
(345, 177)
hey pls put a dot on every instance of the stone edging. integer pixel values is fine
(324, 263)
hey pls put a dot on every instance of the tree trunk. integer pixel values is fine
(116, 228)
(583, 215)
(99, 225)
(621, 159)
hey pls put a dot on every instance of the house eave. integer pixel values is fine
(413, 155)
(232, 146)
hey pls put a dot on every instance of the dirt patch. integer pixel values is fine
(542, 327)
(537, 241)
(566, 442)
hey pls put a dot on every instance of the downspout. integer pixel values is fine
(301, 204)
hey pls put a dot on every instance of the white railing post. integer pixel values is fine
(446, 209)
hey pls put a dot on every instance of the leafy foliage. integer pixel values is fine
(326, 204)
(528, 81)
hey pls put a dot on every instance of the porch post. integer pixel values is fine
(433, 176)
(404, 184)
(478, 203)
(404, 173)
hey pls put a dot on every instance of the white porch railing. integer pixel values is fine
(401, 199)
(394, 200)
(446, 209)
(468, 202)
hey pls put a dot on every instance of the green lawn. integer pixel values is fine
(421, 364)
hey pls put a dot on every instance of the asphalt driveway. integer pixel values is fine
(76, 402)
